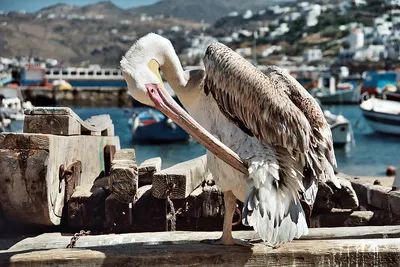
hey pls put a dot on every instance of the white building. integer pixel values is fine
(292, 16)
(312, 15)
(199, 45)
(371, 53)
(262, 31)
(356, 39)
(271, 50)
(393, 2)
(312, 55)
(244, 52)
(248, 14)
(359, 2)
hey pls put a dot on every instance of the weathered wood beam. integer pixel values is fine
(181, 179)
(63, 121)
(184, 248)
(147, 169)
(123, 181)
(32, 191)
(86, 208)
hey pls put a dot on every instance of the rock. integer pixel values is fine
(329, 196)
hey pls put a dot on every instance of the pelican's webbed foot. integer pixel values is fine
(227, 242)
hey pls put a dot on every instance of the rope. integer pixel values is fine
(171, 215)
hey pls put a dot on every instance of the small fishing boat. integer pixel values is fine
(382, 115)
(342, 132)
(375, 83)
(151, 126)
(12, 109)
(346, 91)
(343, 96)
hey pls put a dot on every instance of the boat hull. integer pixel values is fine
(160, 132)
(340, 97)
(151, 126)
(341, 134)
(383, 123)
(382, 115)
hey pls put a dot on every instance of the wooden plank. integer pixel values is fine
(32, 192)
(147, 169)
(109, 152)
(184, 249)
(64, 121)
(60, 240)
(118, 215)
(123, 180)
(185, 177)
(48, 111)
(125, 154)
(49, 124)
(86, 208)
(20, 141)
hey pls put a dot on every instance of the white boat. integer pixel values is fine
(382, 115)
(342, 132)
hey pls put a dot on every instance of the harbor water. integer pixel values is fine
(369, 156)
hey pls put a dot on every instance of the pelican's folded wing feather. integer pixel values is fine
(257, 103)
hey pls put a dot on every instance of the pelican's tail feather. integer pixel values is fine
(272, 206)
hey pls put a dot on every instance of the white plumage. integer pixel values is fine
(273, 132)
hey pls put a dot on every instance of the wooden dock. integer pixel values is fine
(71, 175)
(359, 246)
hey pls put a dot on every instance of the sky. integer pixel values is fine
(35, 5)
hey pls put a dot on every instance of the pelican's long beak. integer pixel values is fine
(167, 105)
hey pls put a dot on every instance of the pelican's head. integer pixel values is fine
(141, 66)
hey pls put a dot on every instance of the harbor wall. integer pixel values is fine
(109, 97)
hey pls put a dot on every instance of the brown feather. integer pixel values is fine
(271, 106)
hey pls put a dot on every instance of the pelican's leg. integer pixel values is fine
(226, 238)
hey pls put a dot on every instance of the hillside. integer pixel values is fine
(207, 10)
(98, 33)
(97, 10)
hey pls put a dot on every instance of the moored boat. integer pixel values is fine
(344, 96)
(151, 126)
(382, 115)
(342, 132)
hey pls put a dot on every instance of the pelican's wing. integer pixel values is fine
(258, 104)
(273, 107)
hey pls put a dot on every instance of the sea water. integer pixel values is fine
(369, 156)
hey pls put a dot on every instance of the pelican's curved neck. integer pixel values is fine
(171, 68)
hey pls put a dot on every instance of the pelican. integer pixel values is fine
(268, 143)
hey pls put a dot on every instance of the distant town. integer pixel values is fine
(358, 34)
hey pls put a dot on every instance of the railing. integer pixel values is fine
(83, 74)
